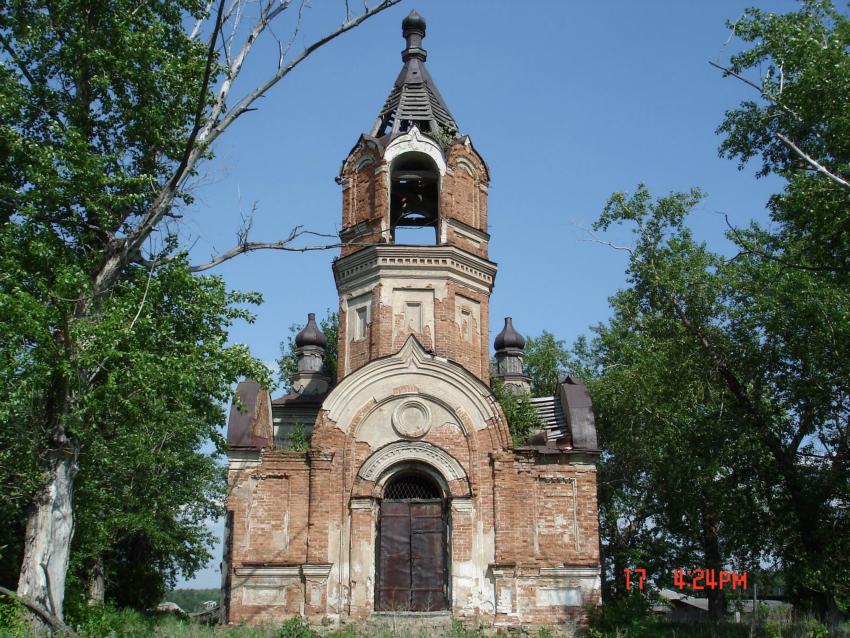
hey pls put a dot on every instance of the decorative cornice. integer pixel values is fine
(461, 504)
(372, 264)
(316, 571)
(467, 230)
(363, 503)
(575, 572)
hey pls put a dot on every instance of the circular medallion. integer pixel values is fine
(412, 419)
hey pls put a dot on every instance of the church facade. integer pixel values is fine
(411, 495)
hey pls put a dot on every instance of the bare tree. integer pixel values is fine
(233, 28)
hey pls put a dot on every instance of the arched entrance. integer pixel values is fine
(412, 556)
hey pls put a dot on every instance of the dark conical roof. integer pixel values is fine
(311, 335)
(414, 99)
(509, 337)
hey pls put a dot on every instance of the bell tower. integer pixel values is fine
(414, 228)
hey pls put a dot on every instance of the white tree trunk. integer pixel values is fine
(50, 528)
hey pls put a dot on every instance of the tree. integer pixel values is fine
(739, 366)
(547, 360)
(106, 112)
(288, 362)
(142, 507)
(519, 411)
(741, 363)
(799, 126)
(664, 420)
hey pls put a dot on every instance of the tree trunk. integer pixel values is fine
(714, 562)
(96, 584)
(50, 528)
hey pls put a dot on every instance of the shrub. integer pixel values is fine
(100, 621)
(632, 612)
(296, 628)
(13, 620)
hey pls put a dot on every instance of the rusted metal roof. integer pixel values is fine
(414, 98)
(249, 424)
(578, 408)
(567, 417)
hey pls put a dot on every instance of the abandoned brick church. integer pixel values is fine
(411, 496)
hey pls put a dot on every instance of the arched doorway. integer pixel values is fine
(412, 556)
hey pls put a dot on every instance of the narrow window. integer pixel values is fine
(466, 324)
(360, 323)
(413, 316)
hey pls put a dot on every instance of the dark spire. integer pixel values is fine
(509, 337)
(413, 30)
(414, 99)
(311, 335)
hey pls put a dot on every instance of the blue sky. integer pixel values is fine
(566, 101)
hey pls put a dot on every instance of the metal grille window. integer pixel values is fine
(411, 486)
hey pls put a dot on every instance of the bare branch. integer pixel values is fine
(217, 129)
(595, 240)
(206, 129)
(820, 168)
(245, 246)
(591, 237)
(760, 89)
(767, 96)
(196, 29)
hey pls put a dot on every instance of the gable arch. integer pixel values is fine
(413, 370)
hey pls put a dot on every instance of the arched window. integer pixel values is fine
(414, 199)
(412, 485)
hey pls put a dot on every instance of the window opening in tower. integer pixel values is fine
(414, 197)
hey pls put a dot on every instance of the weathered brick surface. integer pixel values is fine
(523, 546)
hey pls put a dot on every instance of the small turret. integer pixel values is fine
(510, 354)
(310, 350)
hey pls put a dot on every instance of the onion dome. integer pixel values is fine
(509, 337)
(311, 335)
(413, 22)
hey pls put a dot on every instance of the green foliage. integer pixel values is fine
(519, 411)
(802, 64)
(630, 613)
(288, 362)
(720, 385)
(96, 102)
(676, 630)
(97, 621)
(296, 628)
(459, 630)
(146, 492)
(297, 441)
(13, 619)
(348, 631)
(547, 360)
(715, 362)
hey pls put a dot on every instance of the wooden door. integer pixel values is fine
(411, 556)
